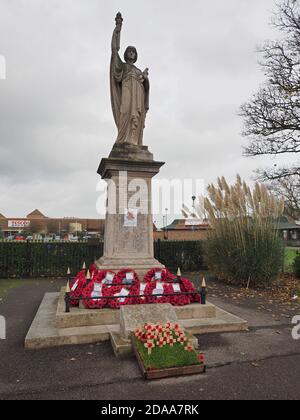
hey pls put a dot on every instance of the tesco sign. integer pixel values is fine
(18, 223)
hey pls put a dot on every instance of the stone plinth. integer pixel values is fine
(128, 172)
(133, 317)
(53, 327)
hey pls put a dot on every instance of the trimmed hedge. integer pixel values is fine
(296, 266)
(36, 259)
(188, 255)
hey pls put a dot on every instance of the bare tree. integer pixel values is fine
(289, 189)
(272, 116)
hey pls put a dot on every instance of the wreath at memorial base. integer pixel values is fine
(190, 288)
(154, 289)
(123, 289)
(166, 276)
(98, 286)
(121, 276)
(118, 288)
(180, 300)
(76, 288)
(93, 270)
(140, 290)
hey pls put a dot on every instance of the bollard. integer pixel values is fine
(179, 276)
(68, 298)
(203, 292)
(88, 277)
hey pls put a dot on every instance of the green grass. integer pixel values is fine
(7, 285)
(290, 254)
(166, 357)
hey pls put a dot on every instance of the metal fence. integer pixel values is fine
(39, 259)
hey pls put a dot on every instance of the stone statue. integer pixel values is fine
(129, 91)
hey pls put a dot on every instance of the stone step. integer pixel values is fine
(222, 323)
(69, 336)
(195, 311)
(87, 318)
(44, 332)
(80, 317)
(121, 347)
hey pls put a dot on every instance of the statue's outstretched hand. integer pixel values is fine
(119, 23)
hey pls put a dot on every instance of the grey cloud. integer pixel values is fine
(55, 116)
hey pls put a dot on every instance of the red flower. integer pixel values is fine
(148, 327)
(172, 341)
(76, 287)
(189, 348)
(149, 345)
(182, 339)
(201, 358)
(160, 329)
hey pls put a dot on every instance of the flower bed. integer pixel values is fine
(164, 350)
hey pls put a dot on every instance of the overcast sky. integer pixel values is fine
(55, 115)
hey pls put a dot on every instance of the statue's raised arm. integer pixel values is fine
(115, 44)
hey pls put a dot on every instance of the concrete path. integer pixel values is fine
(263, 363)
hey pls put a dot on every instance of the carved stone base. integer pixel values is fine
(129, 245)
(140, 266)
(131, 152)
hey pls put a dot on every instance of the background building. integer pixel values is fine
(183, 230)
(37, 224)
(289, 230)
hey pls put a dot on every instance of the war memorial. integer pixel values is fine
(127, 296)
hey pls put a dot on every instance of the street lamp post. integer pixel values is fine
(194, 199)
(166, 228)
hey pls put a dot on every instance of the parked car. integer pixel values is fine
(74, 239)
